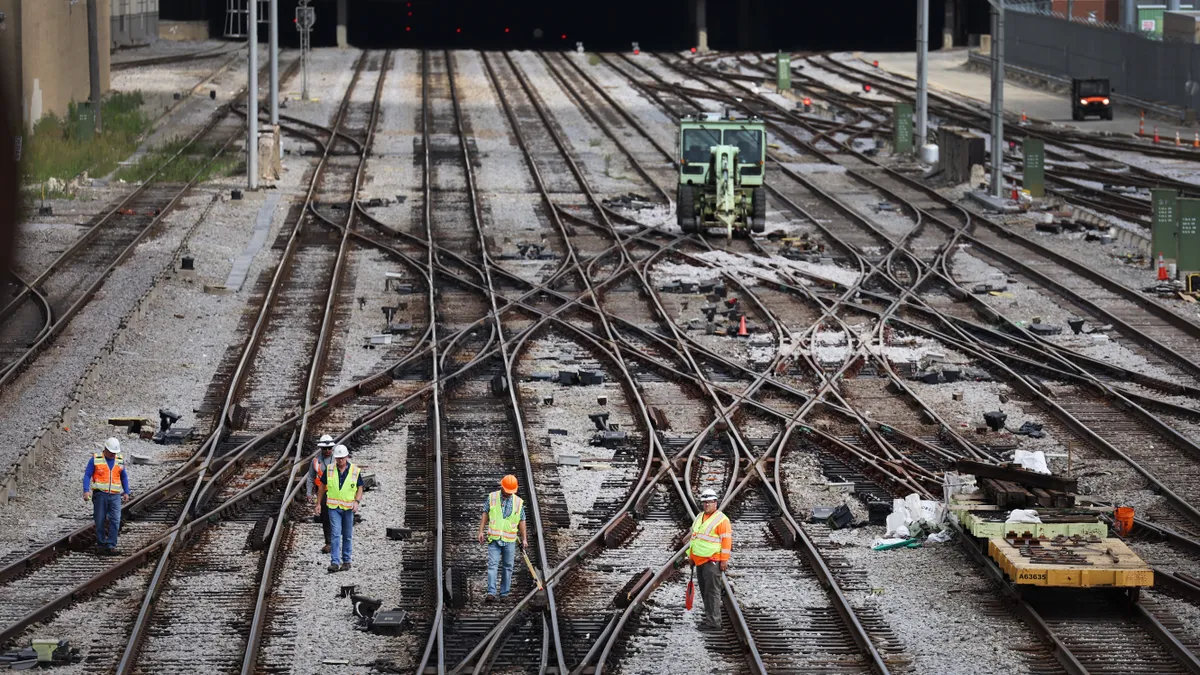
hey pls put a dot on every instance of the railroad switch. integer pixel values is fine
(600, 420)
(784, 530)
(630, 590)
(620, 531)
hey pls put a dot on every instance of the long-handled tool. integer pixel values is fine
(532, 571)
(690, 595)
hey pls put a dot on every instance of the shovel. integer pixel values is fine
(690, 595)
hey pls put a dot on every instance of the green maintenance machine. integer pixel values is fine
(721, 171)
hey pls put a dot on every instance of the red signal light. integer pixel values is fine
(407, 28)
(636, 52)
(807, 101)
(875, 63)
(693, 50)
(505, 30)
(457, 30)
(867, 88)
(410, 13)
(564, 36)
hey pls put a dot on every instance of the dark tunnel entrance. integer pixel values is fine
(755, 25)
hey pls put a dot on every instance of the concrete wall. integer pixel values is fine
(134, 22)
(52, 43)
(183, 30)
(1136, 67)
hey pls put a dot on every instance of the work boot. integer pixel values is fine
(334, 568)
(345, 567)
(489, 598)
(326, 549)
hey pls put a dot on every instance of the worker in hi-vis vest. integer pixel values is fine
(342, 492)
(106, 483)
(709, 550)
(503, 519)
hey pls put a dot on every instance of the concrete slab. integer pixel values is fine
(262, 226)
(948, 73)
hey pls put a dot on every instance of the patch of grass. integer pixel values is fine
(594, 142)
(593, 60)
(182, 168)
(55, 150)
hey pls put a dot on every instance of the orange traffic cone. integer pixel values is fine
(1015, 196)
(1177, 143)
(1162, 268)
(1142, 124)
(1024, 118)
(742, 332)
(1196, 141)
(1156, 133)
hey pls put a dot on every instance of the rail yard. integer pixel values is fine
(480, 264)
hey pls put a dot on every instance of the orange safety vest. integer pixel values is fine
(103, 479)
(318, 471)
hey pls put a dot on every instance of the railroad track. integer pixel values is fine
(40, 308)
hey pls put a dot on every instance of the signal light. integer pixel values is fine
(410, 13)
(505, 30)
(807, 101)
(457, 30)
(693, 50)
(636, 52)
(875, 63)
(867, 88)
(564, 36)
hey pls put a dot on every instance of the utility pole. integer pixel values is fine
(1070, 10)
(305, 18)
(273, 27)
(701, 26)
(922, 74)
(93, 17)
(997, 186)
(252, 103)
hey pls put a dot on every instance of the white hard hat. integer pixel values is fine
(340, 452)
(113, 445)
(708, 495)
(325, 442)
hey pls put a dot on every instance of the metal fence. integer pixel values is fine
(1145, 69)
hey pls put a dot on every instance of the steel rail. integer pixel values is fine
(131, 652)
(266, 582)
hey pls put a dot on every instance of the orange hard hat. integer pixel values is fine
(509, 483)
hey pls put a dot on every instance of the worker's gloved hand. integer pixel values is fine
(87, 496)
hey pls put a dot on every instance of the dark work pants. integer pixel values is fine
(709, 576)
(325, 520)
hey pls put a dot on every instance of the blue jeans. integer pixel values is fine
(106, 506)
(497, 550)
(341, 530)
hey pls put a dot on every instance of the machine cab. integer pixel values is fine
(1090, 97)
(699, 134)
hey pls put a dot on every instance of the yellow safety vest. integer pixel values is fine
(705, 542)
(341, 496)
(499, 527)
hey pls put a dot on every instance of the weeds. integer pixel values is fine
(55, 149)
(184, 167)
(593, 60)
